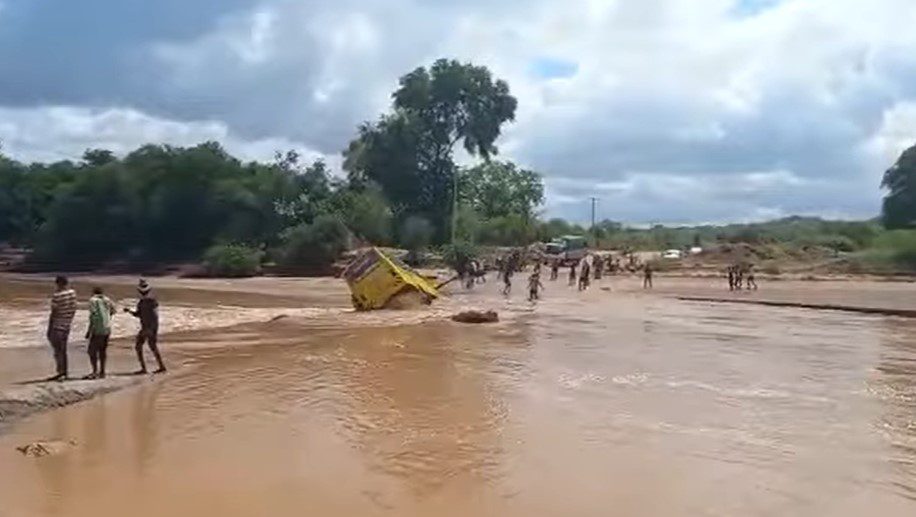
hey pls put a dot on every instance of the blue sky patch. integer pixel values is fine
(552, 68)
(752, 7)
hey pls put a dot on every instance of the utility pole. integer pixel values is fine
(594, 201)
(454, 206)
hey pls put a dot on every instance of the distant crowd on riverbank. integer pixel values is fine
(582, 272)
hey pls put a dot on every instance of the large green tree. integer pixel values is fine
(899, 208)
(498, 189)
(410, 152)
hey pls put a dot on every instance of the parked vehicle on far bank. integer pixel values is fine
(672, 254)
(568, 249)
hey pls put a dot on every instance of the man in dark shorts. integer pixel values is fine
(148, 312)
(751, 280)
(101, 309)
(584, 275)
(63, 308)
(534, 285)
(647, 277)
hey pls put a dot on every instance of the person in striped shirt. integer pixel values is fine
(63, 308)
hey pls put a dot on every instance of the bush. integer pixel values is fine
(459, 255)
(232, 260)
(510, 230)
(315, 246)
(415, 234)
(899, 245)
(770, 269)
(366, 213)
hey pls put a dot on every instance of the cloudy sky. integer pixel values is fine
(666, 110)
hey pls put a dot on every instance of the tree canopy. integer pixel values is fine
(409, 153)
(164, 203)
(899, 207)
(499, 189)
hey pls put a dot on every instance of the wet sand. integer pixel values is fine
(612, 402)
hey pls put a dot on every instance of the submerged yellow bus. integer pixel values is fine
(374, 279)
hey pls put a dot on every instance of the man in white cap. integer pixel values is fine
(148, 312)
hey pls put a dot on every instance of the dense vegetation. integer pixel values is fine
(401, 187)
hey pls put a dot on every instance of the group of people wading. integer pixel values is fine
(98, 332)
(581, 273)
(741, 276)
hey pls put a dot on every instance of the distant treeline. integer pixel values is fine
(161, 203)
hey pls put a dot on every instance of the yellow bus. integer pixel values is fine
(374, 279)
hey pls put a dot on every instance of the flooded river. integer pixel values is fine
(603, 403)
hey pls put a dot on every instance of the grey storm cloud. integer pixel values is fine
(668, 110)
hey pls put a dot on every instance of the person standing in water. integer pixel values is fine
(554, 269)
(507, 281)
(647, 277)
(731, 278)
(148, 312)
(572, 274)
(63, 308)
(584, 275)
(751, 281)
(534, 284)
(101, 309)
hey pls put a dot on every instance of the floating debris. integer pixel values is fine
(476, 317)
(46, 448)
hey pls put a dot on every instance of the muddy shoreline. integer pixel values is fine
(24, 400)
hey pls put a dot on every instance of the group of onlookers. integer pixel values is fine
(98, 332)
(740, 277)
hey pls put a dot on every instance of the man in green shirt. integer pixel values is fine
(101, 309)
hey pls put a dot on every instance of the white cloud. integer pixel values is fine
(676, 110)
(896, 133)
(63, 132)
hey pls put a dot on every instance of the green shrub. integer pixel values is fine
(459, 255)
(366, 213)
(770, 269)
(510, 230)
(897, 246)
(232, 260)
(315, 246)
(415, 234)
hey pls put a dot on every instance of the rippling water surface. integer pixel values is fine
(598, 404)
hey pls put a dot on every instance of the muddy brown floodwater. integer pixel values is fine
(603, 403)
